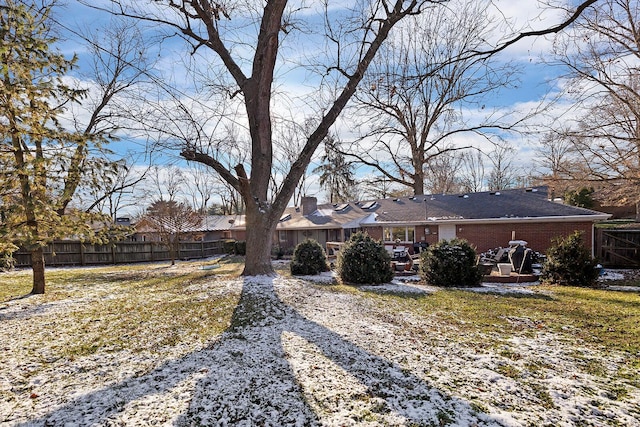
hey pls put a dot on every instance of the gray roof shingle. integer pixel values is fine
(528, 203)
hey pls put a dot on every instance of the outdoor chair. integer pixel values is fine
(494, 258)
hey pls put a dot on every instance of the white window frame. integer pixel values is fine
(388, 234)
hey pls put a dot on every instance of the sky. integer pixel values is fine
(535, 81)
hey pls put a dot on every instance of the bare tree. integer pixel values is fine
(211, 26)
(202, 186)
(171, 220)
(344, 44)
(413, 98)
(169, 181)
(555, 161)
(601, 54)
(289, 140)
(503, 174)
(379, 187)
(441, 173)
(118, 66)
(472, 176)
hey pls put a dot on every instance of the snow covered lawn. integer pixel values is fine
(188, 346)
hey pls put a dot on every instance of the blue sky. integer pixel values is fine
(535, 81)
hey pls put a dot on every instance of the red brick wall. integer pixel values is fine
(489, 236)
(537, 235)
(374, 232)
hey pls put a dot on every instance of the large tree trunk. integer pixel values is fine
(259, 237)
(418, 183)
(37, 265)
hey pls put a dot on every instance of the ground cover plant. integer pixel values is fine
(194, 344)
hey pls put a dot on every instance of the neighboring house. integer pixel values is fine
(221, 227)
(486, 219)
(212, 227)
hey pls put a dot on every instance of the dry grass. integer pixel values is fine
(145, 314)
(601, 319)
(153, 296)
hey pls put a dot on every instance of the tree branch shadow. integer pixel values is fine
(246, 378)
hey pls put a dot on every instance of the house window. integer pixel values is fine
(404, 234)
(348, 232)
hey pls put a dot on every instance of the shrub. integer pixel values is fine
(308, 258)
(7, 262)
(363, 260)
(569, 263)
(240, 247)
(229, 247)
(277, 252)
(450, 263)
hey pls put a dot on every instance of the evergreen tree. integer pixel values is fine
(336, 174)
(35, 148)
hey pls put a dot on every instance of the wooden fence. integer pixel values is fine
(62, 253)
(618, 247)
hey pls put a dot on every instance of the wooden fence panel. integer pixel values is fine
(618, 247)
(62, 253)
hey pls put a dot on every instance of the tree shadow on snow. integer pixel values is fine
(245, 378)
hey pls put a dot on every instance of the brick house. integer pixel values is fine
(486, 219)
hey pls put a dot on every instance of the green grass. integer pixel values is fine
(597, 318)
(606, 318)
(128, 301)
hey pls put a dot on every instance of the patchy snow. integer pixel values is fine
(299, 354)
(623, 288)
(324, 277)
(611, 275)
(525, 288)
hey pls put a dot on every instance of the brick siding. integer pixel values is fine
(538, 235)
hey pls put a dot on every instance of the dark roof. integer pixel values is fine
(514, 203)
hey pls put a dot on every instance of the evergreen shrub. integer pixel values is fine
(240, 247)
(450, 263)
(277, 252)
(7, 262)
(229, 247)
(308, 258)
(569, 263)
(363, 260)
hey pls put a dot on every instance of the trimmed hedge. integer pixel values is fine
(569, 263)
(450, 263)
(363, 260)
(308, 259)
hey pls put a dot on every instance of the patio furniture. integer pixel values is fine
(494, 256)
(401, 261)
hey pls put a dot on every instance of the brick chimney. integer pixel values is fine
(309, 205)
